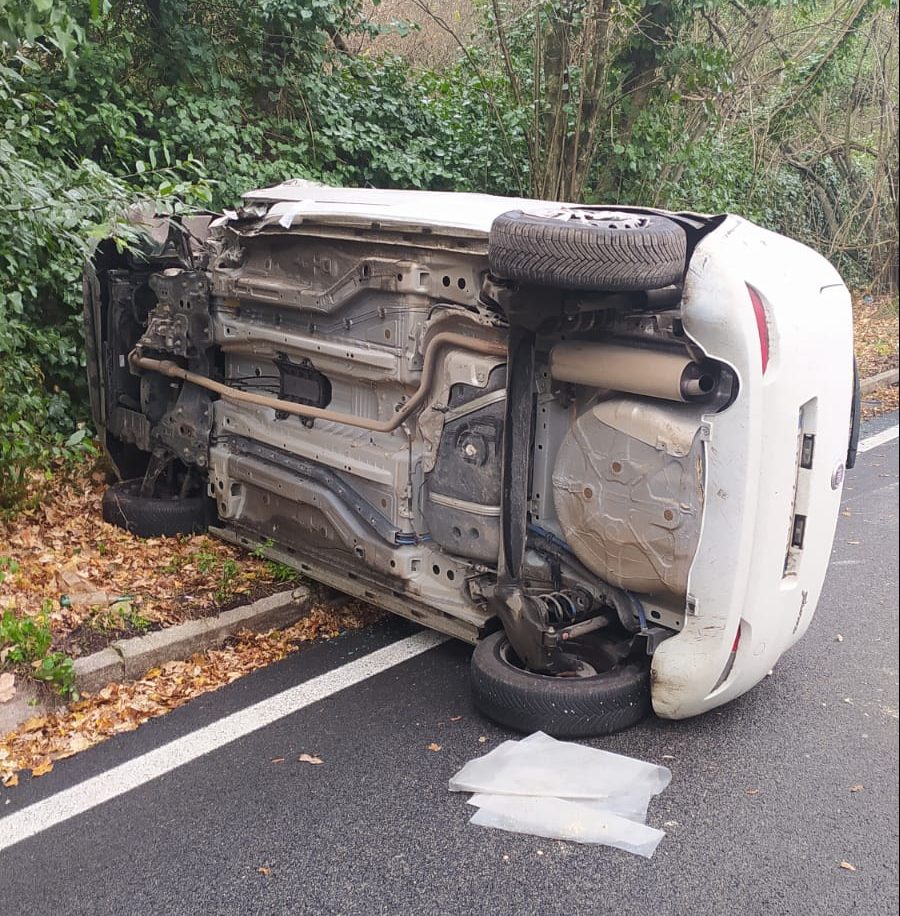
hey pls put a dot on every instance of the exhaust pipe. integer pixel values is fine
(654, 373)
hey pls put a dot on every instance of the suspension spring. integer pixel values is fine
(565, 605)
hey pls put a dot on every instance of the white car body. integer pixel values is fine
(771, 310)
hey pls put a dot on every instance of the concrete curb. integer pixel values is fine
(130, 658)
(127, 659)
(888, 377)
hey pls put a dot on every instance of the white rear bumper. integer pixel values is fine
(745, 574)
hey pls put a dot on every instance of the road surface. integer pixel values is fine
(759, 815)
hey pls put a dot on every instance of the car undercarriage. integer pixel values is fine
(474, 431)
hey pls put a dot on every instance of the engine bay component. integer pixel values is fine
(667, 374)
(628, 490)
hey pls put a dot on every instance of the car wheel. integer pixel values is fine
(593, 703)
(154, 516)
(588, 248)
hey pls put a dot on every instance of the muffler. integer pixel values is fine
(654, 373)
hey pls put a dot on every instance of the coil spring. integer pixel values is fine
(561, 606)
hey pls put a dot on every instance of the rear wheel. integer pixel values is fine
(588, 248)
(154, 516)
(602, 698)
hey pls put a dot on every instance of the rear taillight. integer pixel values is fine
(762, 327)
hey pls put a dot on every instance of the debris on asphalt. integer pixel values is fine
(434, 746)
(857, 788)
(309, 758)
(564, 791)
(561, 819)
(847, 866)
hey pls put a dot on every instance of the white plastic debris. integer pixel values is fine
(558, 819)
(565, 791)
(541, 765)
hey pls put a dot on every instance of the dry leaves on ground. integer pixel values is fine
(99, 578)
(875, 325)
(123, 707)
(875, 330)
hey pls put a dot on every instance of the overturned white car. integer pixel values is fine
(605, 445)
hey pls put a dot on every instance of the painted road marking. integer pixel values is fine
(92, 792)
(133, 773)
(886, 435)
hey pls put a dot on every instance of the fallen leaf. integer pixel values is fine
(668, 756)
(7, 687)
(857, 788)
(278, 760)
(847, 866)
(44, 767)
(263, 870)
(481, 739)
(455, 718)
(123, 707)
(839, 638)
(751, 791)
(434, 746)
(309, 758)
(10, 781)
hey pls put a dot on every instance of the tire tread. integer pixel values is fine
(575, 255)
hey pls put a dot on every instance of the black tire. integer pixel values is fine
(564, 707)
(622, 252)
(153, 517)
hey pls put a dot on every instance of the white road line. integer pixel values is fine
(886, 435)
(133, 773)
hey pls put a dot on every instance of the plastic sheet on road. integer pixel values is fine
(566, 791)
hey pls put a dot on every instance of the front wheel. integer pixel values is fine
(154, 516)
(596, 702)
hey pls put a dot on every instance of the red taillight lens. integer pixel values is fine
(762, 326)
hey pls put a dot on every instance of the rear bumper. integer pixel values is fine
(769, 521)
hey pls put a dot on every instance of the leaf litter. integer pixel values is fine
(119, 708)
(99, 583)
(875, 330)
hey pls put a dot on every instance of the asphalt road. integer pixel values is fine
(760, 798)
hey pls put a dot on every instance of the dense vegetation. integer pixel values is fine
(786, 113)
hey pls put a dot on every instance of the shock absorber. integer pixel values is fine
(565, 605)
